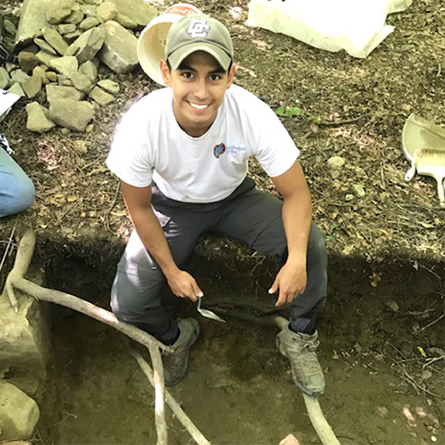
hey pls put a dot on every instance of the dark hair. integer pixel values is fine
(228, 69)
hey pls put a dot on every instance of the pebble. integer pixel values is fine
(393, 305)
(358, 190)
(336, 162)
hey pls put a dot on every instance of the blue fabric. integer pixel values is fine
(16, 189)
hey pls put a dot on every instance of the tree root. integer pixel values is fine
(318, 420)
(174, 405)
(16, 280)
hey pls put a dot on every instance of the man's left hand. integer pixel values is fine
(290, 282)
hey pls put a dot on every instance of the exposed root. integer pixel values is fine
(172, 403)
(15, 280)
(318, 420)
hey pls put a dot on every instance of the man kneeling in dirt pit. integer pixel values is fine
(181, 155)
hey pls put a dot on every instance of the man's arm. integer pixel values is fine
(138, 202)
(297, 217)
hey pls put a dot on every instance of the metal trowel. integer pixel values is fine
(208, 314)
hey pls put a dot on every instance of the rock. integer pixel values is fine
(109, 86)
(9, 27)
(89, 69)
(10, 66)
(55, 40)
(51, 76)
(27, 61)
(89, 128)
(75, 17)
(119, 49)
(107, 11)
(45, 58)
(393, 306)
(137, 10)
(64, 80)
(19, 76)
(59, 10)
(32, 86)
(90, 10)
(358, 190)
(72, 36)
(19, 413)
(38, 118)
(40, 71)
(5, 80)
(88, 23)
(125, 21)
(66, 28)
(32, 20)
(45, 46)
(100, 96)
(336, 162)
(57, 92)
(66, 65)
(82, 82)
(71, 114)
(24, 337)
(17, 89)
(87, 45)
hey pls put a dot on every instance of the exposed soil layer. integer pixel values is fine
(382, 349)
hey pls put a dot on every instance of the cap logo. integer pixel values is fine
(198, 29)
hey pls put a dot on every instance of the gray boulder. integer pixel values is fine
(56, 92)
(19, 413)
(59, 10)
(119, 49)
(32, 86)
(71, 114)
(55, 40)
(137, 10)
(107, 11)
(109, 86)
(38, 118)
(32, 20)
(100, 96)
(82, 82)
(87, 45)
(5, 80)
(67, 65)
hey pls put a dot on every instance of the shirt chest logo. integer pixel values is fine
(218, 150)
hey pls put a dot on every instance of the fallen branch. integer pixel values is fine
(174, 405)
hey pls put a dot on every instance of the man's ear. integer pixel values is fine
(231, 75)
(165, 72)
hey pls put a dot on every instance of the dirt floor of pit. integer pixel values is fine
(382, 349)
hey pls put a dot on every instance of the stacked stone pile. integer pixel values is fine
(59, 46)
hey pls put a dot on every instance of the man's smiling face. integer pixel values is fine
(198, 87)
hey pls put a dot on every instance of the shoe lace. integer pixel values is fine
(309, 356)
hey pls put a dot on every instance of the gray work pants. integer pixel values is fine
(249, 216)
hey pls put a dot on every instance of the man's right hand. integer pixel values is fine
(183, 285)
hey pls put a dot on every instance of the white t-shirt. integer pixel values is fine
(149, 145)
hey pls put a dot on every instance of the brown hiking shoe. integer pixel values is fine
(300, 349)
(176, 362)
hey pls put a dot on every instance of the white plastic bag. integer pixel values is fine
(356, 26)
